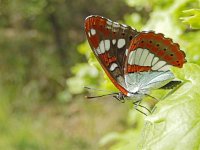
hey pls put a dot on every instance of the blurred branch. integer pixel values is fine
(57, 36)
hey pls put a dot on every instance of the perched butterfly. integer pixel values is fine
(136, 62)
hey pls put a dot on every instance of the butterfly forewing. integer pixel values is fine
(110, 42)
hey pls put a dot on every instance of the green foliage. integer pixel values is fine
(129, 138)
(175, 122)
(135, 19)
(191, 43)
(192, 17)
(84, 75)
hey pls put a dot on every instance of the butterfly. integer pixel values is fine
(136, 62)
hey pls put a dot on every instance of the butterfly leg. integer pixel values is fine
(119, 99)
(141, 111)
(137, 103)
(153, 109)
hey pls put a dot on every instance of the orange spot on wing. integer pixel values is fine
(94, 41)
(106, 59)
(136, 68)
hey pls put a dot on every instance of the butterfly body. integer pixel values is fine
(136, 62)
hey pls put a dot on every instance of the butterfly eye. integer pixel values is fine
(171, 54)
(164, 49)
(158, 45)
(130, 37)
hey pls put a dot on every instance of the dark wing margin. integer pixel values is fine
(171, 85)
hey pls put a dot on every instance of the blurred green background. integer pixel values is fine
(45, 61)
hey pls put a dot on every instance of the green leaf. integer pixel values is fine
(191, 46)
(128, 139)
(192, 17)
(175, 123)
(84, 75)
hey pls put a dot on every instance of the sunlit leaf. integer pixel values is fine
(85, 75)
(84, 49)
(134, 20)
(191, 44)
(128, 139)
(175, 123)
(192, 17)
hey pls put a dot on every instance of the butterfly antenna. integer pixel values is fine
(97, 96)
(88, 88)
(91, 97)
(152, 97)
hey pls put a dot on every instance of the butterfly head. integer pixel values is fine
(136, 95)
(120, 96)
(130, 95)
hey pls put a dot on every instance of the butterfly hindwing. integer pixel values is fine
(153, 52)
(149, 58)
(110, 41)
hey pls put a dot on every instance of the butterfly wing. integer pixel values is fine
(110, 41)
(149, 58)
(171, 85)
